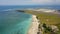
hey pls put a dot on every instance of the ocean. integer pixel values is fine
(13, 22)
(2, 8)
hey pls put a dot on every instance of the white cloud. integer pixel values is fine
(57, 2)
(44, 1)
(24, 2)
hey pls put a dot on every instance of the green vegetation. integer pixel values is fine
(47, 18)
(52, 18)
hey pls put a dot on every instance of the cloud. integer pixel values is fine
(15, 2)
(57, 2)
(44, 1)
(29, 2)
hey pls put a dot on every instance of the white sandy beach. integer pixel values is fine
(34, 27)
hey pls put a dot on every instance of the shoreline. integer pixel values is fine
(34, 26)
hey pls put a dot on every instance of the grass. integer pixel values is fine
(47, 18)
(43, 17)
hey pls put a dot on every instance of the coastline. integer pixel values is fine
(34, 26)
(50, 17)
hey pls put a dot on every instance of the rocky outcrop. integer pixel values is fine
(20, 10)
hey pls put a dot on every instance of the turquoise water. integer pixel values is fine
(13, 22)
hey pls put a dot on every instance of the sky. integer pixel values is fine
(29, 2)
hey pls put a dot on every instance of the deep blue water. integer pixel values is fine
(24, 7)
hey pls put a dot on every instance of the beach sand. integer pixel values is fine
(34, 26)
